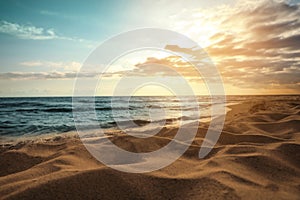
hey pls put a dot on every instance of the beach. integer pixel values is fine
(256, 157)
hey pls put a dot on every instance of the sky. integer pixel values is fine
(255, 44)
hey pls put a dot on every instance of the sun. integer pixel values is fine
(201, 27)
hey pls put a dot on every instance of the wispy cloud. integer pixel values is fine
(66, 66)
(31, 32)
(44, 75)
(48, 13)
(49, 70)
(27, 31)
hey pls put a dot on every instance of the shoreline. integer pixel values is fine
(14, 140)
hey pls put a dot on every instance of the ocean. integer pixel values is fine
(34, 116)
(39, 115)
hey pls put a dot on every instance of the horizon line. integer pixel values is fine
(287, 94)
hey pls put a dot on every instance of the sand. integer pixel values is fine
(256, 157)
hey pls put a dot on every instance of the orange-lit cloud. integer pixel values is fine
(257, 45)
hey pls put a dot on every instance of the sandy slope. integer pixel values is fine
(256, 157)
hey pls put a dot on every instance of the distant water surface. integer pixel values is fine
(32, 116)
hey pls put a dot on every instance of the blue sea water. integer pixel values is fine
(31, 116)
(34, 116)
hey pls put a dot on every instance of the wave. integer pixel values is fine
(82, 109)
(28, 110)
(16, 130)
(120, 108)
(141, 122)
(45, 110)
(58, 110)
(21, 104)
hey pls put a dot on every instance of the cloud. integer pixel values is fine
(255, 44)
(45, 75)
(30, 32)
(258, 46)
(27, 31)
(32, 63)
(55, 70)
(290, 43)
(49, 13)
(66, 66)
(168, 66)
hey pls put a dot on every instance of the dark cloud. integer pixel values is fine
(275, 29)
(290, 43)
